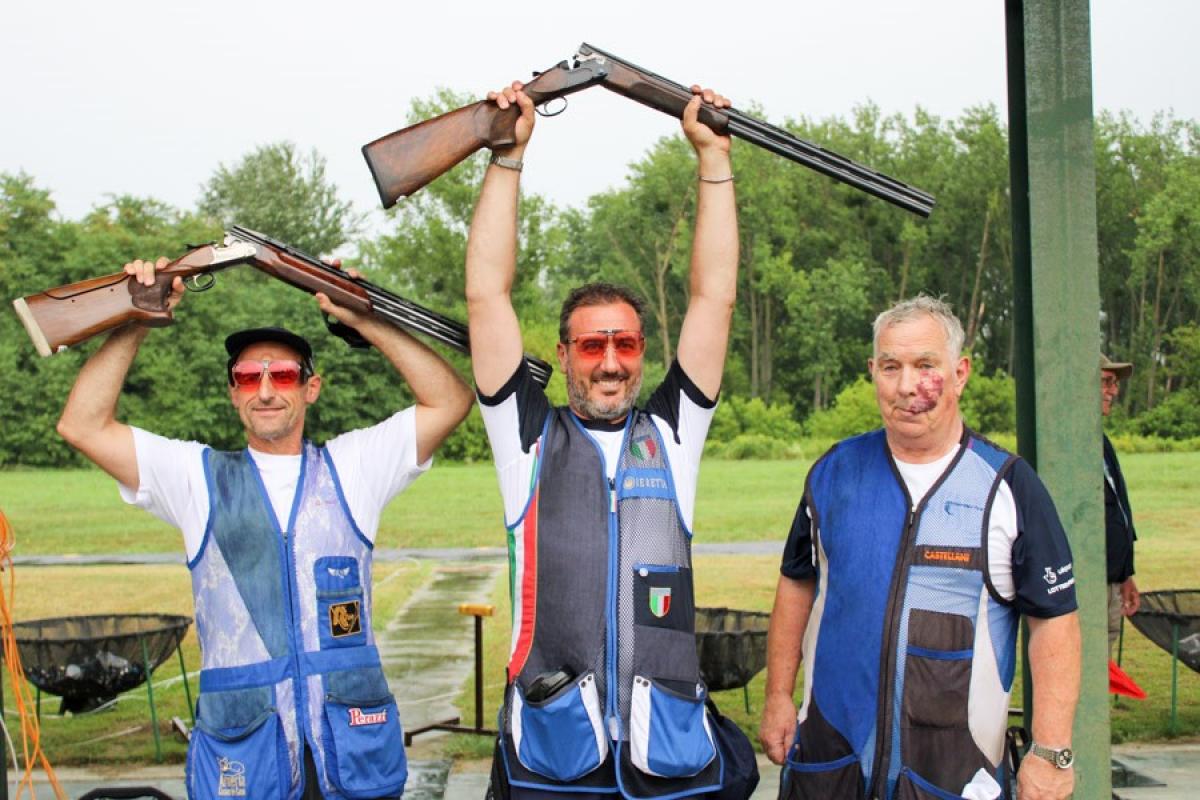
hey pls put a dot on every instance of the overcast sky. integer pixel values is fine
(147, 98)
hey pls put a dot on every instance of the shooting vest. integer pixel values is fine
(909, 652)
(288, 653)
(602, 590)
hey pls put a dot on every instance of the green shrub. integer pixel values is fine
(748, 446)
(1176, 417)
(854, 411)
(989, 403)
(737, 416)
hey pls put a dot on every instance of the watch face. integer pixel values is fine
(1064, 758)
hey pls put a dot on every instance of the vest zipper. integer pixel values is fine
(614, 559)
(888, 656)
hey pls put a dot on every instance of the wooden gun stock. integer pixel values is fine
(67, 315)
(405, 160)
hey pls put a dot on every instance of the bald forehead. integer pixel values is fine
(920, 336)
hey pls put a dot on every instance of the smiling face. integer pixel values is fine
(918, 383)
(605, 388)
(273, 416)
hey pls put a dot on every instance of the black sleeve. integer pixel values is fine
(1043, 572)
(798, 553)
(532, 405)
(664, 402)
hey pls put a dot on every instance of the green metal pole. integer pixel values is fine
(1056, 316)
(187, 689)
(1174, 678)
(150, 692)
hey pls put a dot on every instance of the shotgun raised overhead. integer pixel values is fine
(404, 161)
(67, 315)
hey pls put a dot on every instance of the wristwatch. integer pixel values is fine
(1063, 759)
(507, 163)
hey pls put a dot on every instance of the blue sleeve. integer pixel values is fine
(1043, 571)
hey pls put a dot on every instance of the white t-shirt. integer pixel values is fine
(514, 417)
(373, 464)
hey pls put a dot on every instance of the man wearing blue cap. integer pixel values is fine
(293, 701)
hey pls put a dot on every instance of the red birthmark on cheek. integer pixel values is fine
(929, 392)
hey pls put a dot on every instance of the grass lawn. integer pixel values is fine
(78, 511)
(122, 734)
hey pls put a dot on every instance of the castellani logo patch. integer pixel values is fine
(660, 600)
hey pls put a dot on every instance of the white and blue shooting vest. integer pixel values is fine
(909, 652)
(288, 652)
(602, 586)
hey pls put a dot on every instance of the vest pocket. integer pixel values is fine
(842, 778)
(364, 748)
(561, 737)
(669, 734)
(936, 744)
(339, 602)
(238, 748)
(911, 786)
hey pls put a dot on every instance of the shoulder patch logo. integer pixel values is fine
(1051, 576)
(344, 619)
(232, 781)
(660, 600)
(644, 448)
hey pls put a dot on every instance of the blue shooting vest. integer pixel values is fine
(288, 652)
(602, 586)
(909, 652)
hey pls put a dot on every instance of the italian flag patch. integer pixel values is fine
(660, 600)
(644, 448)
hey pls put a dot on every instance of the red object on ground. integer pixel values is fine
(1120, 683)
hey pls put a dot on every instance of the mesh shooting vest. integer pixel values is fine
(602, 591)
(909, 653)
(288, 652)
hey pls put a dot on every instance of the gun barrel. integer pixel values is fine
(397, 310)
(666, 95)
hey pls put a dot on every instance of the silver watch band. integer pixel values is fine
(507, 163)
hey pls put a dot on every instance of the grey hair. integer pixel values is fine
(914, 307)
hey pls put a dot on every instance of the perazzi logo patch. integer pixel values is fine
(232, 782)
(946, 556)
(360, 717)
(344, 619)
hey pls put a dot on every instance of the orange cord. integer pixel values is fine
(30, 729)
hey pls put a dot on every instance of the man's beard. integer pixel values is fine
(585, 407)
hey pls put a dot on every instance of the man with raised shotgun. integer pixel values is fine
(604, 692)
(913, 553)
(293, 701)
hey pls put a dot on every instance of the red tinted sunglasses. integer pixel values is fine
(285, 373)
(593, 345)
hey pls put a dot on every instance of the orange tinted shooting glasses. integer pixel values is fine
(285, 373)
(594, 344)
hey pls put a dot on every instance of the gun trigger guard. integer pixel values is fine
(346, 333)
(542, 110)
(197, 282)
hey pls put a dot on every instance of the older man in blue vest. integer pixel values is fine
(913, 552)
(604, 693)
(293, 701)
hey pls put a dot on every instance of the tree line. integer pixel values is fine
(818, 261)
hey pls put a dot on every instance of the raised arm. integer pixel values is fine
(88, 421)
(713, 284)
(496, 347)
(443, 398)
